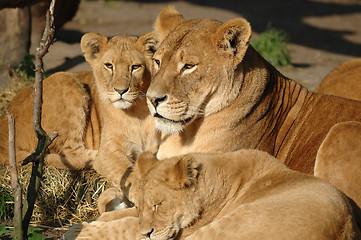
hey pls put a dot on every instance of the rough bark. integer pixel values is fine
(18, 228)
(15, 27)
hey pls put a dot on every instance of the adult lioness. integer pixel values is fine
(247, 194)
(110, 115)
(212, 92)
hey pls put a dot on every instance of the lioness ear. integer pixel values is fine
(91, 43)
(184, 173)
(167, 20)
(233, 37)
(144, 164)
(148, 44)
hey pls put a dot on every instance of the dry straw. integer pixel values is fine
(65, 197)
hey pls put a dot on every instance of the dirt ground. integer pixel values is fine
(323, 33)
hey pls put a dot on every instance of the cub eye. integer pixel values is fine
(135, 67)
(187, 67)
(109, 66)
(157, 61)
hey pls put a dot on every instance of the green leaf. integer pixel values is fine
(6, 208)
(4, 230)
(35, 234)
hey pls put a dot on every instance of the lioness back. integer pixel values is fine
(343, 81)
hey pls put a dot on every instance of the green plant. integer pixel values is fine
(26, 68)
(6, 208)
(271, 44)
(33, 233)
(4, 230)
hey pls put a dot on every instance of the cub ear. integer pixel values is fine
(233, 37)
(144, 164)
(148, 44)
(167, 20)
(184, 173)
(91, 44)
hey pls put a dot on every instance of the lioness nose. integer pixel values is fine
(156, 100)
(121, 91)
(148, 233)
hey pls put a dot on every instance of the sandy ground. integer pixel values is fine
(323, 33)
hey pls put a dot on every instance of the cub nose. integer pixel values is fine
(148, 233)
(121, 91)
(156, 100)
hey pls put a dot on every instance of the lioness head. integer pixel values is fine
(165, 199)
(195, 67)
(120, 66)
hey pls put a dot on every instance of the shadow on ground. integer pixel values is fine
(289, 16)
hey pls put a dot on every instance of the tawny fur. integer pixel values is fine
(111, 199)
(339, 156)
(247, 194)
(65, 111)
(88, 113)
(343, 81)
(127, 126)
(212, 92)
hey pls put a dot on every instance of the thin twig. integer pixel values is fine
(18, 228)
(37, 157)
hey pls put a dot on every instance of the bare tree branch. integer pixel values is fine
(37, 157)
(18, 228)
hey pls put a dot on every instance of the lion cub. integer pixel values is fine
(104, 109)
(122, 76)
(247, 194)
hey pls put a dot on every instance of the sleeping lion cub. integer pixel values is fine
(212, 92)
(104, 109)
(246, 194)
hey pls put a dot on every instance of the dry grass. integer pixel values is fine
(65, 197)
(8, 93)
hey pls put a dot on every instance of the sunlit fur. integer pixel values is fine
(213, 92)
(122, 75)
(247, 194)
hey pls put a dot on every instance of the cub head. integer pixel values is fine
(196, 68)
(166, 200)
(120, 66)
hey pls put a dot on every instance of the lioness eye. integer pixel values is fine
(157, 61)
(187, 66)
(109, 66)
(135, 67)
